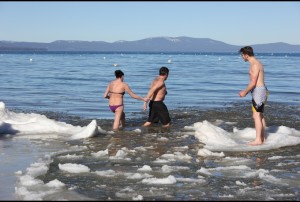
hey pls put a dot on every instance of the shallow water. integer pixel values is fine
(148, 163)
(177, 171)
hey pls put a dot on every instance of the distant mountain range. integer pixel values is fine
(155, 44)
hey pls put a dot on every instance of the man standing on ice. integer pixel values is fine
(259, 93)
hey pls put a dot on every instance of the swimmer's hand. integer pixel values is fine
(146, 99)
(145, 106)
(242, 93)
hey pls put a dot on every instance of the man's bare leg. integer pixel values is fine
(259, 127)
(263, 137)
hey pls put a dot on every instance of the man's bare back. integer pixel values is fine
(160, 89)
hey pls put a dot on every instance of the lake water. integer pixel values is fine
(203, 156)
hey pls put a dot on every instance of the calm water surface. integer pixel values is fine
(75, 83)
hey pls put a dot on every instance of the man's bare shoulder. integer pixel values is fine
(155, 80)
(257, 62)
(160, 81)
(157, 83)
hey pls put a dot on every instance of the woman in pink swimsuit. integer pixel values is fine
(115, 92)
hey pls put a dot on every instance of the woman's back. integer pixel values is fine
(116, 92)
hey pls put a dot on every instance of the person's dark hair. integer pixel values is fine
(247, 50)
(163, 71)
(119, 73)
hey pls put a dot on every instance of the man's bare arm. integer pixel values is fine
(154, 88)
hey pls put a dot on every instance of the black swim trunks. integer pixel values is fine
(256, 107)
(158, 111)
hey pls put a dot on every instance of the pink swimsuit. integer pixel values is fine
(114, 107)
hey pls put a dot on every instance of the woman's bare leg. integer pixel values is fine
(118, 116)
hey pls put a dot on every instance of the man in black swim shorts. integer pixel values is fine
(158, 111)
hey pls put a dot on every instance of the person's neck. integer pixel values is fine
(251, 59)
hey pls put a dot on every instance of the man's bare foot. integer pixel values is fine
(166, 126)
(255, 143)
(147, 124)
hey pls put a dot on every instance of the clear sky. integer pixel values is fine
(235, 23)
